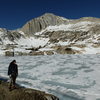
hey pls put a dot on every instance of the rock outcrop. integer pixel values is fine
(8, 37)
(21, 93)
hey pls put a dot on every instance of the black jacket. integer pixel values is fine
(13, 69)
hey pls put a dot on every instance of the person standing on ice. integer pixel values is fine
(13, 73)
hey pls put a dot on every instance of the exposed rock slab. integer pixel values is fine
(23, 93)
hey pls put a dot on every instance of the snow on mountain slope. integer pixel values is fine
(81, 36)
(32, 42)
(80, 26)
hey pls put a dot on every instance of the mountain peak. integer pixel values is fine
(48, 14)
(40, 23)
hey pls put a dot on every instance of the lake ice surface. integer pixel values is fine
(69, 77)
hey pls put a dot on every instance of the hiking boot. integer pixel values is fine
(14, 87)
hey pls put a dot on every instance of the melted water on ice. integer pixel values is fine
(70, 77)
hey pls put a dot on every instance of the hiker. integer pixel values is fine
(13, 73)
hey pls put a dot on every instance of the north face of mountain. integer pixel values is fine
(40, 23)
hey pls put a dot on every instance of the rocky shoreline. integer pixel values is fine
(50, 51)
(22, 93)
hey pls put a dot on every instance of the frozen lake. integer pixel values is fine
(69, 77)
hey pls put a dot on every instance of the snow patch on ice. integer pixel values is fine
(91, 50)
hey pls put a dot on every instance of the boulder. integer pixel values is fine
(66, 50)
(34, 53)
(9, 53)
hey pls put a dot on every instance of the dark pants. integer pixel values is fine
(12, 81)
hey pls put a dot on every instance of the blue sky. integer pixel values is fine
(15, 13)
